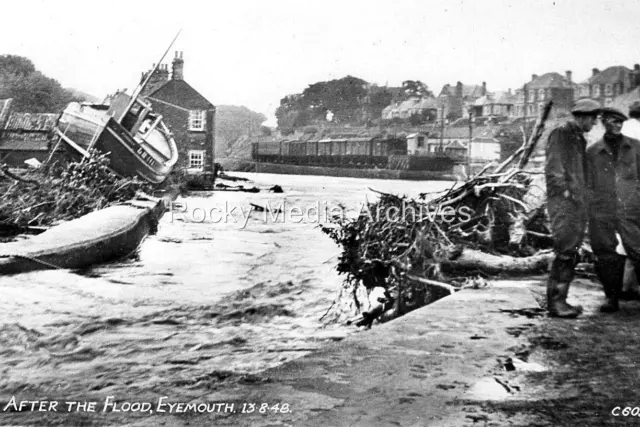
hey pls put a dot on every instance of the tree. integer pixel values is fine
(415, 88)
(16, 65)
(265, 131)
(32, 91)
(379, 99)
(233, 122)
(343, 97)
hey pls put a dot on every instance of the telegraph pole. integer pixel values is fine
(442, 129)
(470, 141)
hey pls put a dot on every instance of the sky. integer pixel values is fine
(255, 52)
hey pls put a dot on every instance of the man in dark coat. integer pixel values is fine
(565, 172)
(614, 187)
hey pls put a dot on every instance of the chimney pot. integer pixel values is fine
(594, 71)
(534, 76)
(178, 68)
(569, 75)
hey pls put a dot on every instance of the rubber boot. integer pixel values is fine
(557, 305)
(610, 271)
(630, 288)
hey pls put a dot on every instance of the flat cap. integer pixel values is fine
(634, 109)
(586, 106)
(612, 112)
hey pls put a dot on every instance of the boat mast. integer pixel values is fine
(141, 86)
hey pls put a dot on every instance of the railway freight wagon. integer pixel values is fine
(349, 151)
(336, 150)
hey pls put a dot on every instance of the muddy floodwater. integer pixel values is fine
(220, 290)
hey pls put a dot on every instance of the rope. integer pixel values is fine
(39, 261)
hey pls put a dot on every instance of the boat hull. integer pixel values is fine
(83, 131)
(128, 157)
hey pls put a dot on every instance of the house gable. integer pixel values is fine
(181, 94)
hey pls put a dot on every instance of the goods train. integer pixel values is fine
(348, 152)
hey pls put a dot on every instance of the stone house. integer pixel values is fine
(604, 86)
(425, 107)
(541, 89)
(456, 100)
(188, 114)
(499, 103)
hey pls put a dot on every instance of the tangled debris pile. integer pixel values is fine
(57, 193)
(421, 250)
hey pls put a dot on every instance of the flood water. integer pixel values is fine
(207, 293)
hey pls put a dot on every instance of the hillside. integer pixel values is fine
(31, 91)
(232, 123)
(83, 96)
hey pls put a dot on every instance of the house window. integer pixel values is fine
(608, 89)
(196, 159)
(420, 141)
(532, 95)
(196, 120)
(596, 91)
(540, 94)
(584, 90)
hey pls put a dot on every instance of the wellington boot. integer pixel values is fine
(557, 300)
(610, 270)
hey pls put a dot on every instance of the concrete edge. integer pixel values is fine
(113, 243)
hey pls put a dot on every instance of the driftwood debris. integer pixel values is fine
(490, 264)
(6, 172)
(421, 250)
(232, 178)
(259, 208)
(225, 187)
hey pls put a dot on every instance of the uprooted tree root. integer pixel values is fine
(418, 251)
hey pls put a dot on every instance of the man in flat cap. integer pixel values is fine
(631, 127)
(613, 165)
(565, 172)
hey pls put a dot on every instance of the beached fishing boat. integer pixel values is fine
(138, 144)
(137, 141)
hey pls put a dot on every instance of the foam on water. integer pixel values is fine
(201, 296)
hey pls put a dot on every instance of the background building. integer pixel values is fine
(188, 114)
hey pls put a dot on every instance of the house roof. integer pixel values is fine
(548, 80)
(421, 103)
(622, 102)
(468, 91)
(459, 132)
(413, 104)
(503, 97)
(614, 74)
(462, 132)
(180, 93)
(31, 122)
(27, 131)
(23, 145)
(456, 145)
